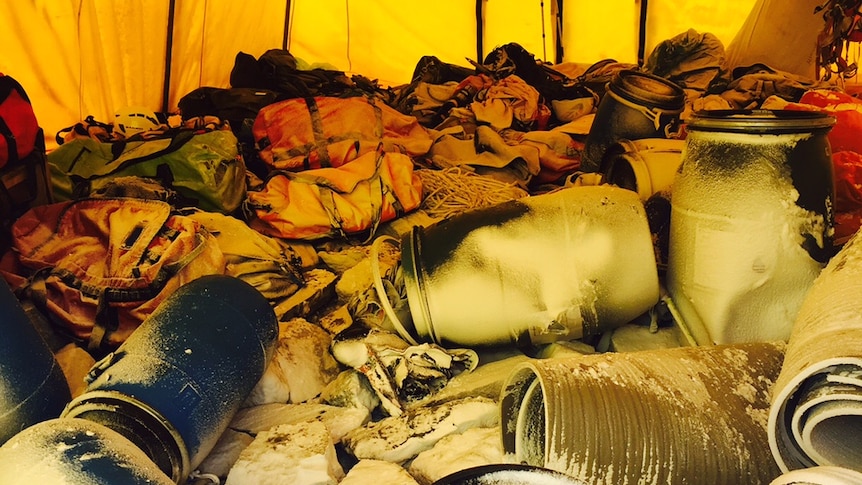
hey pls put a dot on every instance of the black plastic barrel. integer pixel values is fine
(174, 385)
(32, 385)
(75, 452)
(636, 105)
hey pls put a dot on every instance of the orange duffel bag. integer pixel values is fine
(336, 201)
(309, 133)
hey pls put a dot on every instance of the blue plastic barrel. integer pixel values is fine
(174, 385)
(32, 385)
(75, 452)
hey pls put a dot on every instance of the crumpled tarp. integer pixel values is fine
(752, 85)
(692, 60)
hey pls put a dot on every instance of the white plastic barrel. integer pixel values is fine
(751, 222)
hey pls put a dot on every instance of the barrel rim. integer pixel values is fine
(663, 93)
(770, 121)
(135, 412)
(418, 327)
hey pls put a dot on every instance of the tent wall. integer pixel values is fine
(793, 22)
(91, 57)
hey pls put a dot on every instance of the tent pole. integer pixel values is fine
(642, 32)
(480, 31)
(558, 33)
(285, 40)
(169, 47)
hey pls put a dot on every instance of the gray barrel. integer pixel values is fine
(32, 385)
(75, 452)
(751, 222)
(174, 385)
(636, 105)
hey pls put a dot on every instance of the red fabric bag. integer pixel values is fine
(18, 125)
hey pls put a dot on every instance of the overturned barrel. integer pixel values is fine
(682, 415)
(647, 166)
(32, 385)
(75, 452)
(174, 385)
(556, 266)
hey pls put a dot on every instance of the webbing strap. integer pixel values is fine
(320, 141)
(377, 189)
(378, 119)
(106, 322)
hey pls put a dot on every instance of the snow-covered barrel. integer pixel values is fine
(174, 385)
(558, 266)
(751, 221)
(76, 452)
(32, 385)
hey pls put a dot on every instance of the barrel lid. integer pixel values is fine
(760, 121)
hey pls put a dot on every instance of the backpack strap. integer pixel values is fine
(107, 321)
(36, 291)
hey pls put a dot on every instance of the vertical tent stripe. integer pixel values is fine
(558, 30)
(169, 47)
(642, 32)
(480, 30)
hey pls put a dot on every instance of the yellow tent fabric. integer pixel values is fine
(91, 57)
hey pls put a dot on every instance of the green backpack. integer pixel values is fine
(206, 169)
